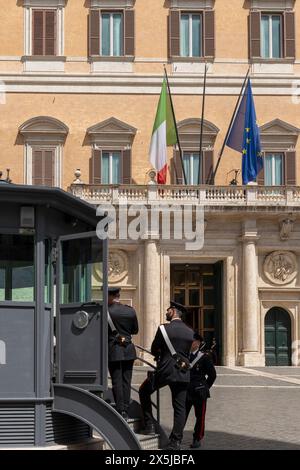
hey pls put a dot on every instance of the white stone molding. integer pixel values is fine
(280, 267)
(112, 3)
(112, 132)
(189, 131)
(272, 5)
(112, 66)
(58, 5)
(278, 135)
(193, 4)
(46, 133)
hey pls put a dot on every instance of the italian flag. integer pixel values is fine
(163, 134)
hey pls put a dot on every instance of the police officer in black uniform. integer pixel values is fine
(203, 376)
(181, 337)
(121, 350)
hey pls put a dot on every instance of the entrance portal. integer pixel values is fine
(278, 337)
(199, 288)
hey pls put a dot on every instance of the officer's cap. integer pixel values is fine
(114, 290)
(179, 307)
(198, 337)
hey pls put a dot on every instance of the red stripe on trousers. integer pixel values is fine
(201, 432)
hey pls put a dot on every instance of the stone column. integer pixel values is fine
(250, 353)
(152, 304)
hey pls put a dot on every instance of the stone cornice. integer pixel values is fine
(272, 5)
(44, 3)
(112, 3)
(192, 4)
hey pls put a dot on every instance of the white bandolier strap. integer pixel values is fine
(111, 323)
(197, 358)
(167, 340)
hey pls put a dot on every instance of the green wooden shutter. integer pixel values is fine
(129, 32)
(174, 33)
(254, 31)
(94, 32)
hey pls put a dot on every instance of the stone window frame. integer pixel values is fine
(288, 40)
(46, 133)
(57, 5)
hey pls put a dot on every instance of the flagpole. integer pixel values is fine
(176, 130)
(230, 126)
(202, 119)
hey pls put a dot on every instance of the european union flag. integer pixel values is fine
(245, 138)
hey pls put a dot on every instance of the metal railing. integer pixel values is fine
(157, 404)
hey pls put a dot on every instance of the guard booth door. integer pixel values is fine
(81, 317)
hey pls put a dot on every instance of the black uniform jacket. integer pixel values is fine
(181, 337)
(126, 324)
(203, 372)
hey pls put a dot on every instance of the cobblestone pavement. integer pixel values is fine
(249, 409)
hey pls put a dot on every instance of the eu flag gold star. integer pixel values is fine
(244, 151)
(248, 141)
(247, 129)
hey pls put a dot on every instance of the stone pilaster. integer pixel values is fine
(250, 355)
(152, 304)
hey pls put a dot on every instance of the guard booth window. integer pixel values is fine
(17, 268)
(82, 270)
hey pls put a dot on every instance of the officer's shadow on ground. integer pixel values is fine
(224, 441)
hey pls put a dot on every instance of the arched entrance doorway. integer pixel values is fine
(278, 337)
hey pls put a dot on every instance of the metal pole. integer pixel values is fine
(202, 119)
(176, 130)
(230, 127)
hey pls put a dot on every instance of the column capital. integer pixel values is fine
(249, 237)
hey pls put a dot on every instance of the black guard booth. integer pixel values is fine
(53, 322)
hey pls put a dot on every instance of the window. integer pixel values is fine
(112, 34)
(43, 166)
(271, 36)
(111, 167)
(44, 32)
(17, 268)
(274, 169)
(191, 35)
(191, 167)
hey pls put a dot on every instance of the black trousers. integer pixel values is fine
(200, 411)
(121, 375)
(178, 391)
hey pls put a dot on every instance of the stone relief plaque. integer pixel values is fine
(117, 267)
(280, 267)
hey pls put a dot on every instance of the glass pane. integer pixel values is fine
(105, 168)
(2, 283)
(187, 167)
(17, 268)
(209, 318)
(196, 39)
(276, 36)
(118, 34)
(278, 170)
(268, 170)
(208, 281)
(116, 162)
(194, 277)
(194, 297)
(208, 338)
(208, 297)
(265, 35)
(196, 169)
(184, 36)
(179, 278)
(179, 297)
(105, 34)
(192, 318)
(82, 270)
(47, 272)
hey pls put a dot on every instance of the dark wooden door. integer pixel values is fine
(198, 288)
(278, 338)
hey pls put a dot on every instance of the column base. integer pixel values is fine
(251, 359)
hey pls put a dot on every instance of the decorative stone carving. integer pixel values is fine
(286, 228)
(280, 267)
(117, 266)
